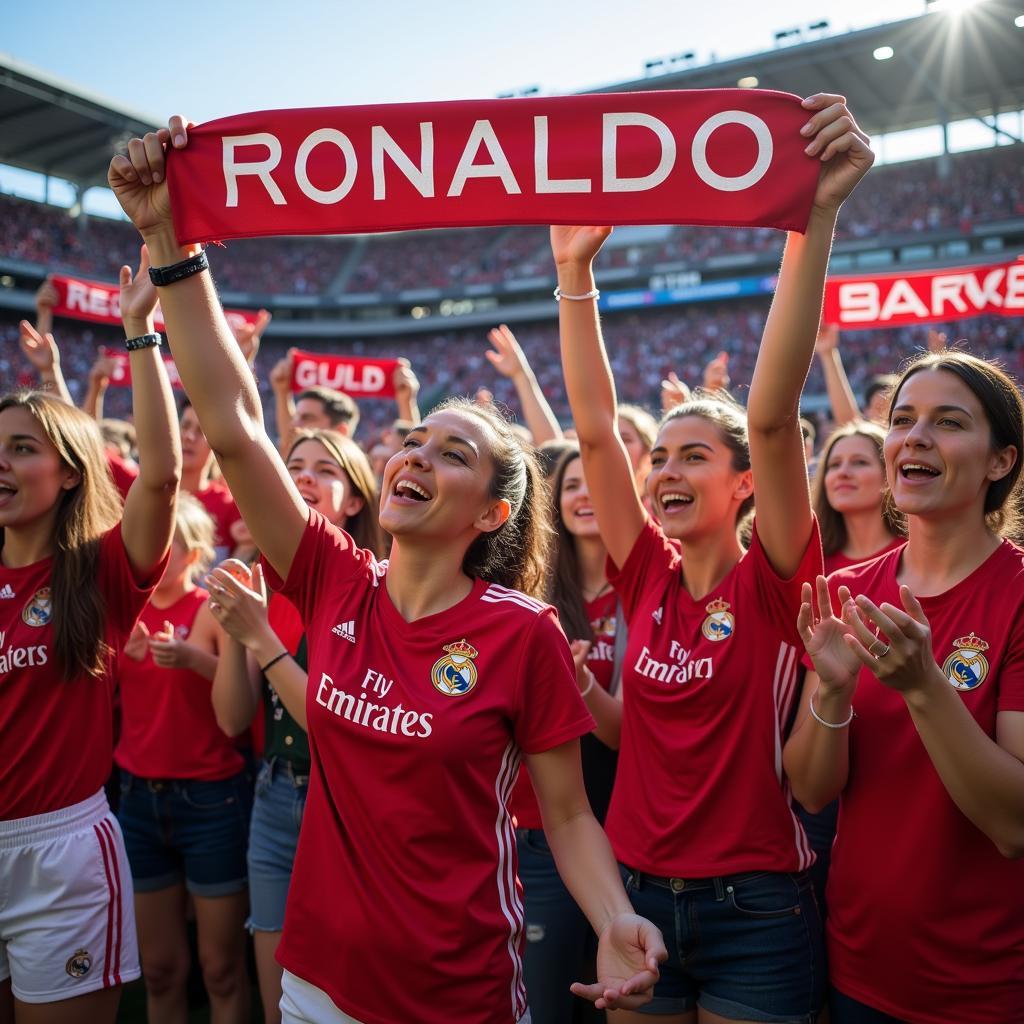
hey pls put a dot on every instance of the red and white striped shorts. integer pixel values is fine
(67, 923)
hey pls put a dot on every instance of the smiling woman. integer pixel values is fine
(440, 678)
(931, 653)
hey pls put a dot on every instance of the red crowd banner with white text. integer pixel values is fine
(121, 374)
(928, 296)
(358, 377)
(100, 303)
(703, 156)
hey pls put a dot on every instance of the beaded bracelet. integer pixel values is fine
(829, 725)
(594, 293)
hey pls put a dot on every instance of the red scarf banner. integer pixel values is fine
(705, 156)
(100, 303)
(360, 378)
(121, 374)
(927, 296)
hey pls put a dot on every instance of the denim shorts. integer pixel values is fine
(273, 837)
(747, 946)
(186, 830)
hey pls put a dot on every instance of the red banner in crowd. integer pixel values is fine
(705, 156)
(121, 374)
(101, 303)
(929, 296)
(360, 378)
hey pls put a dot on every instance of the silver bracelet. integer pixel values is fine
(828, 725)
(594, 293)
(590, 685)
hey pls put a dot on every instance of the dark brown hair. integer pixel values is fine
(85, 513)
(830, 522)
(564, 590)
(515, 554)
(722, 410)
(1000, 397)
(339, 408)
(363, 527)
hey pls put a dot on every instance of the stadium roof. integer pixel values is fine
(945, 66)
(53, 127)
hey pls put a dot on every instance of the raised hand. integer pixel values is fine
(827, 339)
(248, 335)
(899, 652)
(138, 642)
(628, 953)
(281, 375)
(138, 179)
(673, 392)
(716, 373)
(240, 609)
(46, 296)
(138, 297)
(506, 356)
(577, 244)
(102, 369)
(834, 138)
(936, 340)
(405, 381)
(824, 636)
(39, 349)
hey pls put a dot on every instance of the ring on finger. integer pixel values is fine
(878, 654)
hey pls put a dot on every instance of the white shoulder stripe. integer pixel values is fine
(536, 609)
(496, 590)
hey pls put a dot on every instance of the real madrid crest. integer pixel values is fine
(967, 667)
(78, 965)
(455, 674)
(720, 623)
(39, 609)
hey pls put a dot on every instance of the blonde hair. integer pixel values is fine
(196, 531)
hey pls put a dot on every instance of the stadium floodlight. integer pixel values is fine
(883, 53)
(748, 82)
(1019, 21)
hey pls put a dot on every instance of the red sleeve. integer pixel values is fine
(124, 473)
(284, 619)
(550, 710)
(125, 596)
(653, 558)
(778, 599)
(326, 557)
(1011, 672)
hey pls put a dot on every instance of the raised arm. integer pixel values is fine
(407, 389)
(787, 346)
(40, 349)
(284, 404)
(840, 395)
(511, 362)
(148, 522)
(99, 381)
(591, 389)
(211, 365)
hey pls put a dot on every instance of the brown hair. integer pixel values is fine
(339, 408)
(1000, 397)
(721, 409)
(564, 590)
(85, 513)
(515, 554)
(645, 425)
(830, 522)
(363, 527)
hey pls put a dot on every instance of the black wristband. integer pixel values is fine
(143, 341)
(273, 661)
(163, 276)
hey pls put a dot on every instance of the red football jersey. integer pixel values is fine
(404, 903)
(217, 501)
(600, 661)
(926, 918)
(707, 689)
(58, 736)
(837, 561)
(168, 726)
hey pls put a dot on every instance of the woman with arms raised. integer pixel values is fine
(700, 818)
(430, 677)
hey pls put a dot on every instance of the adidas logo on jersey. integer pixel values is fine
(7, 592)
(346, 630)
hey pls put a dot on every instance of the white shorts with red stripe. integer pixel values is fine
(67, 923)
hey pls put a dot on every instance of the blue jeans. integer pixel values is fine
(186, 829)
(747, 946)
(273, 838)
(560, 944)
